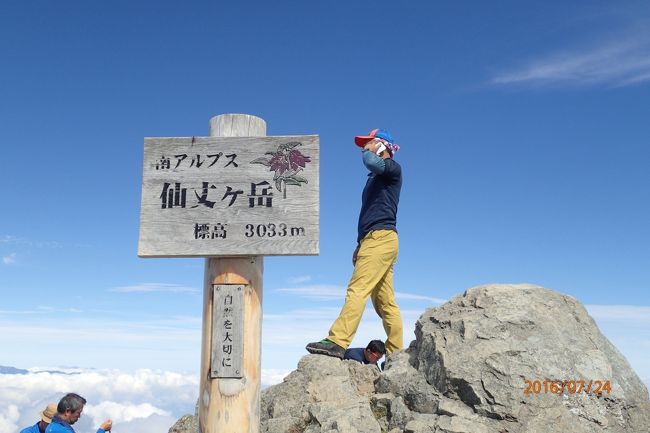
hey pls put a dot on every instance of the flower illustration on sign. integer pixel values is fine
(286, 162)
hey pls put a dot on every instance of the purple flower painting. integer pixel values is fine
(286, 162)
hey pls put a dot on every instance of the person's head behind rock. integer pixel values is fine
(374, 351)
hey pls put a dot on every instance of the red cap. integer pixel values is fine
(361, 140)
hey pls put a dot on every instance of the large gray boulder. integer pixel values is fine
(480, 348)
(467, 372)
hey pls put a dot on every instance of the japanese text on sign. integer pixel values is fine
(230, 196)
(227, 331)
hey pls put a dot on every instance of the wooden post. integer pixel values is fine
(232, 405)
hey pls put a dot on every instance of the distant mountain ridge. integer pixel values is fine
(12, 370)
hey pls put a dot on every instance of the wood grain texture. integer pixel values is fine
(237, 125)
(233, 405)
(211, 196)
(228, 405)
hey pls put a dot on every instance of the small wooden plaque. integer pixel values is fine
(228, 331)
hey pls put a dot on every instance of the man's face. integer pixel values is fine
(372, 357)
(73, 417)
(373, 145)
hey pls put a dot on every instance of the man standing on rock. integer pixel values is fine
(376, 251)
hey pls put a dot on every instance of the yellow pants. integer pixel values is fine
(372, 276)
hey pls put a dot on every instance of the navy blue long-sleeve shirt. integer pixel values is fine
(380, 196)
(356, 353)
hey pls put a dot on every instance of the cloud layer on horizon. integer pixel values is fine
(159, 397)
(145, 401)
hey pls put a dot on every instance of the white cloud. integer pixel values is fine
(623, 313)
(416, 297)
(47, 309)
(303, 316)
(155, 287)
(123, 412)
(300, 280)
(128, 398)
(320, 292)
(41, 309)
(9, 416)
(13, 240)
(273, 376)
(8, 239)
(328, 292)
(620, 63)
(9, 259)
(151, 424)
(628, 328)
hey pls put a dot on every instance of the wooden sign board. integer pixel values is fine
(230, 196)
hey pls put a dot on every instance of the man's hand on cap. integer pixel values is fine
(372, 145)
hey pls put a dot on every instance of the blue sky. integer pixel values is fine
(524, 137)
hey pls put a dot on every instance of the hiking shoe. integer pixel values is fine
(326, 347)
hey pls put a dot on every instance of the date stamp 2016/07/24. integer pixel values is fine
(546, 386)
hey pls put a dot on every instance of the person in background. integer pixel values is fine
(370, 355)
(46, 419)
(68, 412)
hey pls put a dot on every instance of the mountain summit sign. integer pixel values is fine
(233, 198)
(230, 196)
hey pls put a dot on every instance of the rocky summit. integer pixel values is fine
(496, 359)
